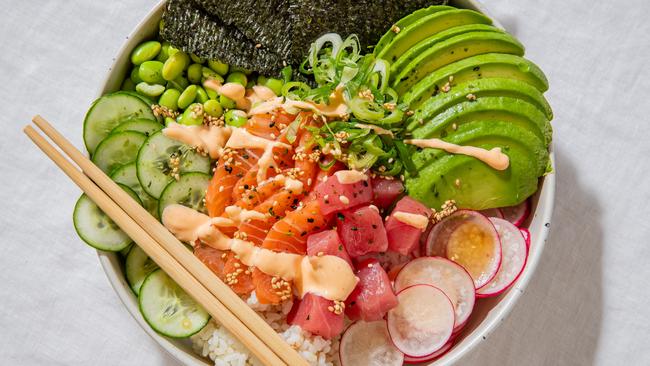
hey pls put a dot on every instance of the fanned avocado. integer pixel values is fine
(476, 89)
(511, 110)
(421, 47)
(492, 65)
(426, 26)
(187, 26)
(452, 50)
(406, 22)
(472, 183)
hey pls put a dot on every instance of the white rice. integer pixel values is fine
(216, 343)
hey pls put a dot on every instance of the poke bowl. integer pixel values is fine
(487, 312)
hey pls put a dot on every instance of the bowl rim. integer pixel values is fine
(541, 217)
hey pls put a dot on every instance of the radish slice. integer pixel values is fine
(492, 212)
(513, 260)
(431, 357)
(469, 239)
(516, 214)
(526, 235)
(368, 344)
(446, 275)
(422, 322)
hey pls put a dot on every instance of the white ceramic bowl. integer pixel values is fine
(487, 314)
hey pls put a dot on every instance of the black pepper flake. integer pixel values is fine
(303, 233)
(365, 183)
(308, 316)
(245, 156)
(228, 169)
(374, 226)
(341, 247)
(354, 228)
(340, 216)
(240, 175)
(310, 220)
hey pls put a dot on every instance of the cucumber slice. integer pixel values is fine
(153, 163)
(137, 267)
(124, 252)
(118, 149)
(146, 126)
(188, 191)
(109, 111)
(168, 309)
(127, 175)
(97, 229)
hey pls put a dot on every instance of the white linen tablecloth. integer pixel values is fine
(587, 304)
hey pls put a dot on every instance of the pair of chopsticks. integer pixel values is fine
(167, 251)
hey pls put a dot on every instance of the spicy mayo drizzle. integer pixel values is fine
(494, 157)
(210, 139)
(242, 139)
(328, 276)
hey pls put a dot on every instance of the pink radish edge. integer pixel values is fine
(451, 332)
(521, 270)
(428, 250)
(457, 327)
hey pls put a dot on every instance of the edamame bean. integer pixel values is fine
(194, 73)
(187, 97)
(169, 99)
(213, 108)
(151, 72)
(127, 84)
(145, 51)
(150, 90)
(212, 94)
(164, 52)
(275, 85)
(175, 65)
(179, 83)
(218, 66)
(196, 58)
(193, 115)
(135, 75)
(169, 120)
(201, 95)
(237, 77)
(240, 69)
(226, 102)
(236, 118)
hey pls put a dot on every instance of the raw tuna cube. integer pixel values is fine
(362, 231)
(385, 191)
(311, 313)
(373, 296)
(402, 237)
(328, 243)
(335, 196)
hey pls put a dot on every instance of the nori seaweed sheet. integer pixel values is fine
(265, 22)
(368, 19)
(283, 28)
(187, 26)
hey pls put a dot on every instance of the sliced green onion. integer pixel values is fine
(287, 73)
(295, 90)
(405, 157)
(365, 109)
(382, 68)
(292, 130)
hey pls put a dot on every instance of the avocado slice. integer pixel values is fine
(418, 49)
(472, 183)
(492, 65)
(493, 87)
(405, 22)
(427, 26)
(480, 130)
(511, 110)
(452, 50)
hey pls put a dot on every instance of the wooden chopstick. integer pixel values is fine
(177, 250)
(174, 269)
